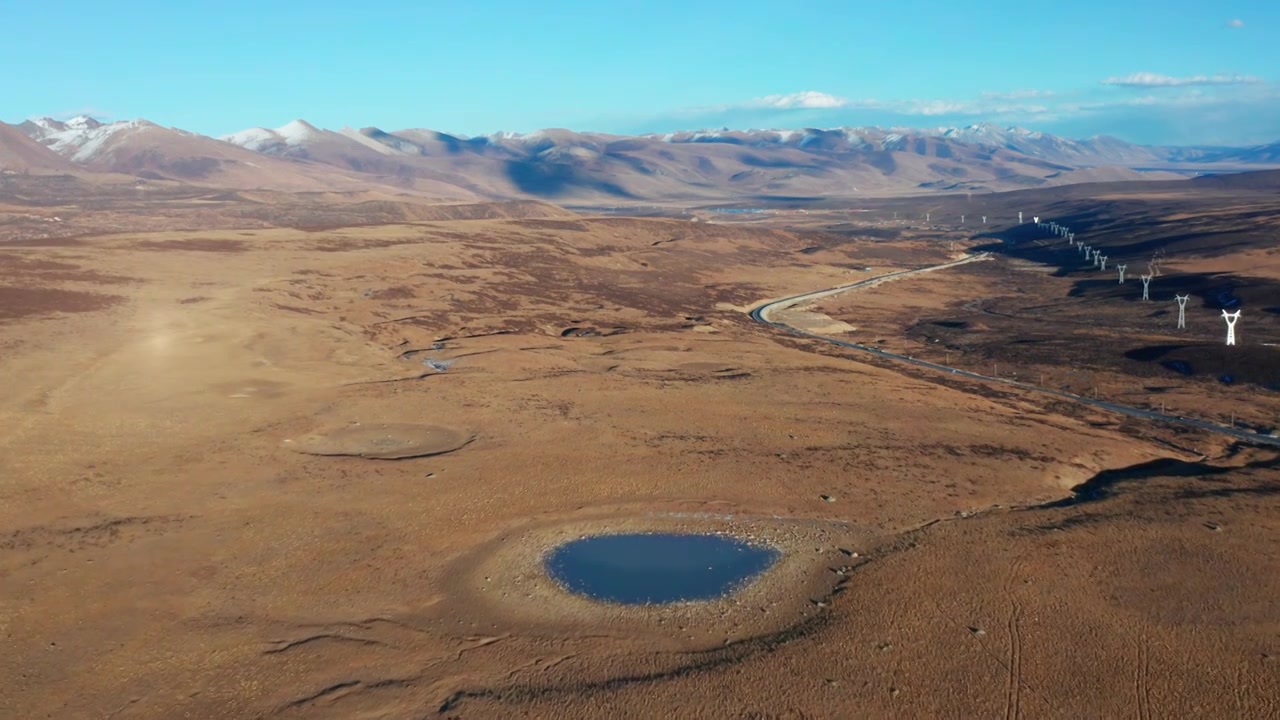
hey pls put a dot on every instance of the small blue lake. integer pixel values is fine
(657, 568)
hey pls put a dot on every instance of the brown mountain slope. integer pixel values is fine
(352, 150)
(1109, 174)
(563, 165)
(19, 153)
(161, 152)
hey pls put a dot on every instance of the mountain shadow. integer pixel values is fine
(551, 180)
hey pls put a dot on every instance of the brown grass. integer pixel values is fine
(611, 380)
(214, 245)
(24, 302)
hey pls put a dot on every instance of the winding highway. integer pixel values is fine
(762, 314)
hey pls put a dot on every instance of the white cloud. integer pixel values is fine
(1237, 23)
(1178, 110)
(991, 103)
(93, 112)
(809, 99)
(995, 105)
(1147, 107)
(1018, 105)
(1150, 79)
(1017, 94)
(939, 107)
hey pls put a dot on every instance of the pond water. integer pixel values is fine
(657, 568)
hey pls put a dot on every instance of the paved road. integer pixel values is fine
(762, 315)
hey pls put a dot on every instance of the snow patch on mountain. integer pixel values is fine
(529, 137)
(49, 126)
(254, 139)
(82, 122)
(81, 138)
(988, 135)
(258, 139)
(297, 132)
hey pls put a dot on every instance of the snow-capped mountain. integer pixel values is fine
(144, 149)
(562, 164)
(294, 138)
(797, 161)
(1100, 150)
(293, 134)
(79, 122)
(1042, 146)
(81, 139)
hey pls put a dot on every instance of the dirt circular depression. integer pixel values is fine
(505, 582)
(382, 441)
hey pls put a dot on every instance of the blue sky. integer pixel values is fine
(1158, 71)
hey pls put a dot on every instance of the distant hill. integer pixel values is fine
(561, 164)
(1257, 154)
(1262, 180)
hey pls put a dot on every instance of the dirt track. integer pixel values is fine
(815, 325)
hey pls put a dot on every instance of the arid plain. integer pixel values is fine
(194, 522)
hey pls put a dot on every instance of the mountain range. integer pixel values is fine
(567, 166)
